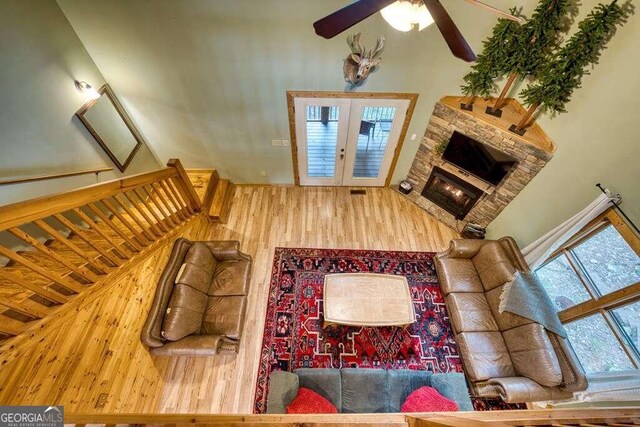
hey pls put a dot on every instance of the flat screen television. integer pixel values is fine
(478, 159)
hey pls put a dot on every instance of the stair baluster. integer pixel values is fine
(75, 240)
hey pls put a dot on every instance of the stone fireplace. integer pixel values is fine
(453, 194)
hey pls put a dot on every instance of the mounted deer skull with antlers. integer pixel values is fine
(358, 64)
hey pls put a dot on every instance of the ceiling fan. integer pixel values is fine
(337, 22)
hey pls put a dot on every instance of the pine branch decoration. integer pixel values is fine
(541, 35)
(563, 74)
(496, 58)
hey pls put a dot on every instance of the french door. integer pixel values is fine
(347, 142)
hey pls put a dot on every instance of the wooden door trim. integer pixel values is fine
(292, 94)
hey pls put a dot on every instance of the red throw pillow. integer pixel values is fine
(309, 402)
(427, 399)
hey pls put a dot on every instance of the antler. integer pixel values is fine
(353, 40)
(373, 53)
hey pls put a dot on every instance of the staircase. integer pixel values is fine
(215, 192)
(58, 247)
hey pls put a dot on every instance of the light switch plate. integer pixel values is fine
(285, 143)
(276, 143)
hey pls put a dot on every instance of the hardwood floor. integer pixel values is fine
(98, 350)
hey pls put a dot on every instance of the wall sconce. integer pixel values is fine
(87, 89)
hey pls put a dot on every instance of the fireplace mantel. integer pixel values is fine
(533, 151)
(512, 112)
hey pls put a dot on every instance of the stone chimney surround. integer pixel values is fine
(532, 151)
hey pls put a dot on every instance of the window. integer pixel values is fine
(594, 281)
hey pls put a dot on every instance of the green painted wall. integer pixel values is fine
(208, 79)
(597, 142)
(40, 57)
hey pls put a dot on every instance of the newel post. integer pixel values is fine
(186, 188)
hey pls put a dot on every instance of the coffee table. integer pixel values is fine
(367, 299)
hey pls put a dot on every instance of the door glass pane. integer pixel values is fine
(628, 317)
(562, 283)
(375, 126)
(322, 140)
(596, 346)
(609, 260)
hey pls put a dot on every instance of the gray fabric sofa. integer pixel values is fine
(359, 390)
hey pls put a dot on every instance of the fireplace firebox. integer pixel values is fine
(451, 193)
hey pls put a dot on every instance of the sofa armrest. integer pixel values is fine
(453, 385)
(193, 345)
(573, 375)
(225, 250)
(463, 248)
(283, 388)
(521, 390)
(150, 334)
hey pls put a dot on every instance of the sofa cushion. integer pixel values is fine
(283, 388)
(458, 275)
(402, 382)
(224, 316)
(427, 399)
(485, 355)
(231, 278)
(324, 381)
(493, 265)
(309, 402)
(364, 390)
(470, 312)
(505, 320)
(184, 312)
(532, 354)
(199, 268)
(453, 385)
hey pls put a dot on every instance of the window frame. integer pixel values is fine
(601, 304)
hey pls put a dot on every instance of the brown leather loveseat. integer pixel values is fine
(201, 299)
(503, 354)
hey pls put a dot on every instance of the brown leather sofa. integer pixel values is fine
(504, 354)
(201, 300)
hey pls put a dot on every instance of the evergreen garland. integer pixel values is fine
(563, 74)
(496, 59)
(540, 36)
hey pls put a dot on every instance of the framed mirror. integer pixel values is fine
(111, 126)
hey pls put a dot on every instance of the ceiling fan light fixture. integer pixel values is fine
(403, 15)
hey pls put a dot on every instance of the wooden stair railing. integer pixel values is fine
(216, 193)
(58, 246)
(543, 417)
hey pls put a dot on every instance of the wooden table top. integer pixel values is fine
(367, 299)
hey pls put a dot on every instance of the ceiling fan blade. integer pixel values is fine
(495, 10)
(348, 16)
(458, 45)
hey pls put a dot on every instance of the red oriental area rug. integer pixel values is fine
(293, 335)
